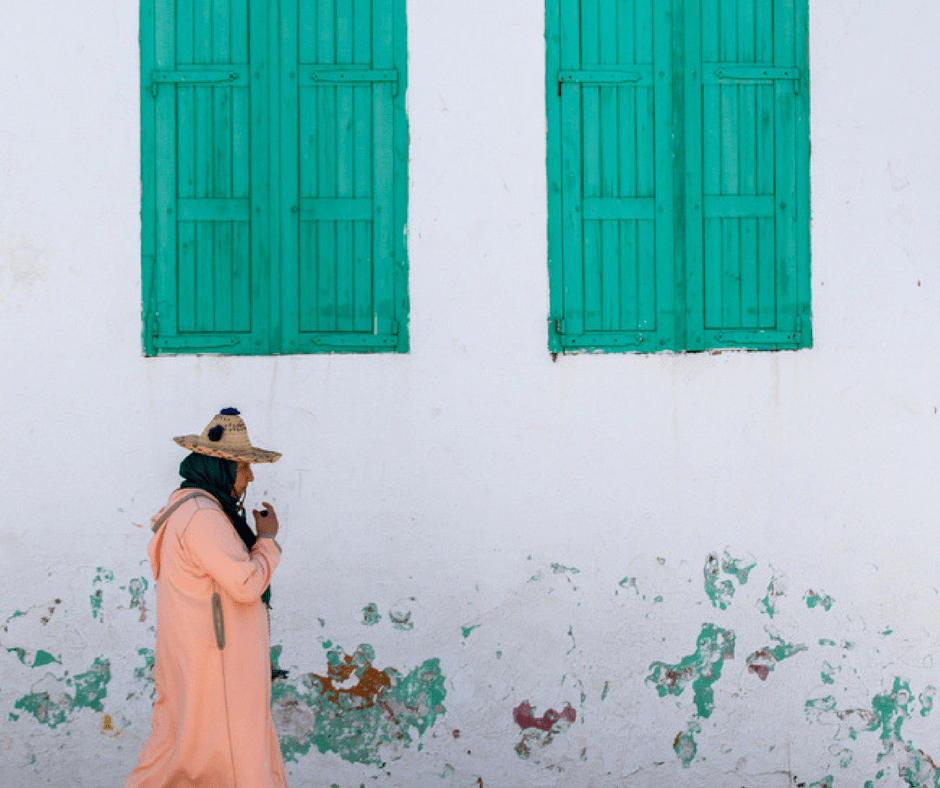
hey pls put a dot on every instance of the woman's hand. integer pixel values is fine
(266, 522)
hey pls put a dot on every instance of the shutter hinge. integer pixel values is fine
(559, 325)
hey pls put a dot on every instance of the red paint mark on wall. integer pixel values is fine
(524, 717)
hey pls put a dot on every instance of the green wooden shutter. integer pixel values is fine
(678, 168)
(204, 176)
(341, 176)
(613, 198)
(274, 168)
(747, 203)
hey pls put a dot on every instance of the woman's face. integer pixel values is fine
(242, 477)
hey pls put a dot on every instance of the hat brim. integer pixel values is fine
(201, 445)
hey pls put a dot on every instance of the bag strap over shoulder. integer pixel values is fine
(188, 497)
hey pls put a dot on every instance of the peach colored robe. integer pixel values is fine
(212, 724)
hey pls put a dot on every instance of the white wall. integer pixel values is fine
(502, 500)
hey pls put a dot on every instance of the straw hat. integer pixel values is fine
(227, 436)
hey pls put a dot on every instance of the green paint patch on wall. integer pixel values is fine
(145, 672)
(886, 717)
(97, 597)
(815, 708)
(775, 590)
(701, 669)
(926, 700)
(764, 660)
(356, 709)
(629, 583)
(685, 745)
(371, 615)
(828, 671)
(85, 691)
(846, 645)
(39, 659)
(814, 599)
(720, 591)
(137, 588)
(891, 710)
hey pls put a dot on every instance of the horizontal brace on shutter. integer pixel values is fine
(190, 342)
(734, 207)
(720, 73)
(768, 338)
(619, 208)
(601, 339)
(606, 76)
(231, 76)
(349, 339)
(213, 210)
(337, 209)
(347, 75)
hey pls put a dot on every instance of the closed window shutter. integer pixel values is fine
(341, 108)
(678, 162)
(747, 203)
(205, 174)
(274, 168)
(613, 78)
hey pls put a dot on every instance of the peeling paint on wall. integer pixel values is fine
(97, 596)
(540, 731)
(629, 583)
(137, 588)
(720, 591)
(145, 672)
(400, 617)
(927, 699)
(701, 669)
(371, 615)
(52, 705)
(813, 599)
(888, 713)
(34, 659)
(764, 660)
(775, 589)
(685, 745)
(362, 714)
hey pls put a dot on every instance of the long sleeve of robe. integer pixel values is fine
(212, 725)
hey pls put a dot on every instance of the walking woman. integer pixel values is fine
(212, 724)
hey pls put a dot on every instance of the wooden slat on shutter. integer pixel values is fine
(611, 141)
(203, 131)
(747, 265)
(342, 72)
